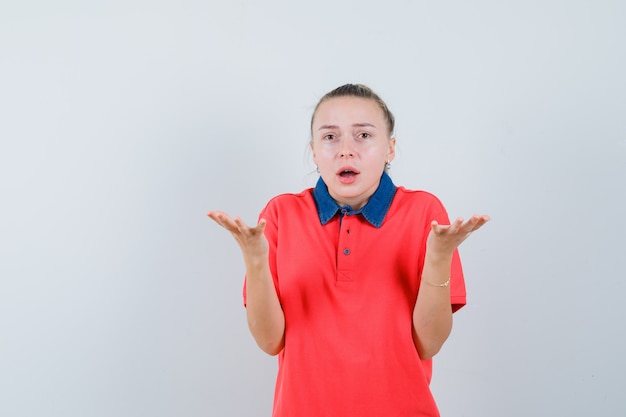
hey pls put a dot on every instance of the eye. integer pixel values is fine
(364, 135)
(328, 137)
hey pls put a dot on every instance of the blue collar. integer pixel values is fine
(374, 210)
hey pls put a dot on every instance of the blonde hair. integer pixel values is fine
(362, 91)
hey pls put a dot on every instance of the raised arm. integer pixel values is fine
(432, 315)
(265, 315)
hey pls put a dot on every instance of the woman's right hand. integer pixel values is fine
(251, 240)
(263, 310)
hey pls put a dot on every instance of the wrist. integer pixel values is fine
(438, 258)
(256, 262)
(444, 284)
(436, 272)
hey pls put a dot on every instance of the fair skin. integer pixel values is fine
(350, 145)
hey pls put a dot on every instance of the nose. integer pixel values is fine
(346, 151)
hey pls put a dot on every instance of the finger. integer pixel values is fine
(217, 216)
(442, 228)
(224, 220)
(241, 226)
(244, 228)
(478, 221)
(474, 223)
(435, 227)
(457, 225)
(259, 229)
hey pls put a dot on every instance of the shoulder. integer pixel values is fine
(291, 198)
(416, 198)
(290, 202)
(416, 207)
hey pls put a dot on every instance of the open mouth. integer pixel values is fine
(347, 173)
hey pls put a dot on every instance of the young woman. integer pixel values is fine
(352, 283)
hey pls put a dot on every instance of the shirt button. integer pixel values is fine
(346, 251)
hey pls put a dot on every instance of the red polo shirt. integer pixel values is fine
(347, 283)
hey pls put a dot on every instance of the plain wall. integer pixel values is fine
(122, 123)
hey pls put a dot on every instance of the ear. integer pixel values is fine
(313, 152)
(391, 151)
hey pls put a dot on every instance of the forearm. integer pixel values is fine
(432, 315)
(263, 310)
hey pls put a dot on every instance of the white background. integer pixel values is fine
(122, 122)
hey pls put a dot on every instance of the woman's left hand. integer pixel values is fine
(444, 239)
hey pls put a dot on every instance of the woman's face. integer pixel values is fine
(351, 145)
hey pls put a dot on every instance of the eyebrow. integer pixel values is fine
(353, 125)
